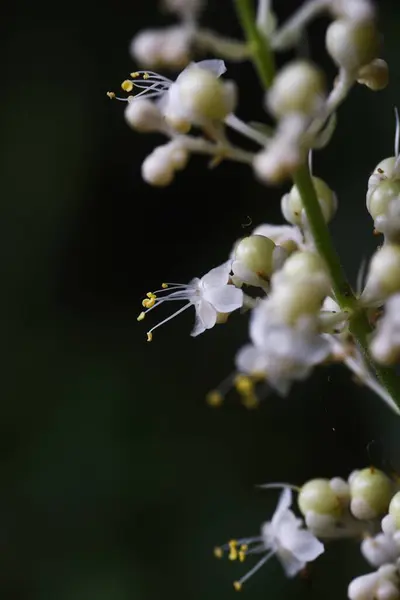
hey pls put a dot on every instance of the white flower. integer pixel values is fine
(281, 353)
(385, 345)
(283, 537)
(197, 97)
(211, 296)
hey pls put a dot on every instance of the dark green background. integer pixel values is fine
(116, 479)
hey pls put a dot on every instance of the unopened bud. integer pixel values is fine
(157, 169)
(394, 510)
(318, 497)
(378, 199)
(370, 491)
(352, 44)
(256, 254)
(292, 204)
(375, 75)
(143, 115)
(383, 274)
(298, 88)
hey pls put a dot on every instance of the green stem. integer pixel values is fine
(263, 57)
(359, 325)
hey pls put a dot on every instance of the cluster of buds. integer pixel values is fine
(332, 509)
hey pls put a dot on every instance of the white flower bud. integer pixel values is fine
(318, 496)
(394, 509)
(295, 300)
(363, 587)
(298, 88)
(320, 525)
(178, 155)
(387, 590)
(383, 274)
(143, 115)
(375, 75)
(255, 253)
(380, 197)
(157, 169)
(203, 96)
(302, 265)
(168, 47)
(341, 488)
(352, 44)
(292, 205)
(370, 492)
(388, 525)
(381, 585)
(380, 549)
(354, 10)
(384, 170)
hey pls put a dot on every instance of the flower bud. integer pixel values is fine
(354, 10)
(256, 254)
(292, 205)
(157, 169)
(294, 300)
(380, 549)
(298, 88)
(394, 509)
(383, 274)
(303, 264)
(317, 496)
(375, 75)
(143, 115)
(169, 47)
(383, 170)
(380, 197)
(341, 489)
(352, 44)
(370, 491)
(204, 96)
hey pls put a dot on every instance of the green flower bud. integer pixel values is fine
(394, 509)
(352, 44)
(204, 95)
(298, 88)
(370, 491)
(379, 198)
(317, 496)
(256, 254)
(292, 205)
(375, 75)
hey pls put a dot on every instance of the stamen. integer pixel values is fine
(218, 552)
(127, 85)
(238, 584)
(150, 332)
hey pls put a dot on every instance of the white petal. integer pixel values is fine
(217, 276)
(363, 587)
(198, 327)
(206, 313)
(290, 563)
(225, 299)
(284, 503)
(301, 543)
(214, 65)
(250, 360)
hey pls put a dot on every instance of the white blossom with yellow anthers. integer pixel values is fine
(283, 536)
(211, 296)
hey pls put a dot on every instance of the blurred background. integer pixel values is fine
(117, 479)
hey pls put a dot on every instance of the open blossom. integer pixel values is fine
(196, 97)
(211, 296)
(281, 353)
(283, 536)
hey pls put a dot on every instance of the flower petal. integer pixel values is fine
(290, 563)
(301, 543)
(245, 275)
(198, 327)
(206, 313)
(217, 276)
(214, 65)
(225, 298)
(250, 360)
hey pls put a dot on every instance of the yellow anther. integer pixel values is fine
(250, 401)
(148, 302)
(164, 286)
(111, 95)
(141, 316)
(233, 554)
(149, 336)
(242, 552)
(135, 74)
(151, 295)
(244, 384)
(244, 548)
(146, 76)
(214, 398)
(237, 585)
(127, 85)
(218, 553)
(232, 543)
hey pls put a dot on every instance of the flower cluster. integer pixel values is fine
(363, 508)
(302, 311)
